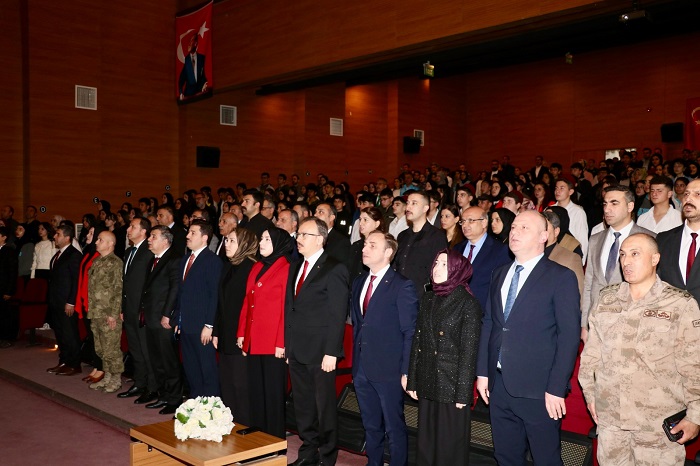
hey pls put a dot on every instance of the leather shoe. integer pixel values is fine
(157, 404)
(133, 391)
(304, 462)
(169, 409)
(147, 397)
(67, 370)
(92, 379)
(54, 369)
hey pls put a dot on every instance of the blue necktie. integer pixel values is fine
(512, 292)
(612, 258)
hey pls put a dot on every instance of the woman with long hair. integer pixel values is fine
(89, 221)
(261, 331)
(449, 223)
(449, 323)
(371, 218)
(543, 196)
(241, 249)
(44, 251)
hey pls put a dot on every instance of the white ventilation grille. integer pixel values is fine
(86, 97)
(336, 126)
(228, 115)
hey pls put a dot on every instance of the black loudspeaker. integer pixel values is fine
(411, 145)
(208, 157)
(672, 132)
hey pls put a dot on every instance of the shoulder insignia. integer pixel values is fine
(696, 323)
(608, 295)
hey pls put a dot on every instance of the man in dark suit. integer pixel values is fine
(419, 244)
(384, 308)
(315, 314)
(166, 217)
(158, 301)
(338, 245)
(137, 263)
(539, 169)
(227, 223)
(63, 285)
(679, 247)
(195, 311)
(251, 204)
(483, 251)
(193, 80)
(527, 351)
(8, 284)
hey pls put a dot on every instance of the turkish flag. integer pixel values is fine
(692, 124)
(193, 67)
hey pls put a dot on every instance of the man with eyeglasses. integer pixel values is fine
(483, 251)
(251, 204)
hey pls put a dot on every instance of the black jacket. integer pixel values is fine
(160, 290)
(232, 291)
(416, 254)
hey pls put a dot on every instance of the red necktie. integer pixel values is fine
(471, 251)
(691, 257)
(155, 262)
(189, 264)
(368, 295)
(55, 258)
(301, 279)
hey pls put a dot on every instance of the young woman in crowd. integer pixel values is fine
(44, 251)
(449, 222)
(500, 221)
(371, 218)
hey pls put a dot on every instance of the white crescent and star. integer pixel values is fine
(692, 115)
(202, 30)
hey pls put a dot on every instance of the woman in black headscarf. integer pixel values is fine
(500, 222)
(443, 362)
(241, 248)
(261, 331)
(565, 238)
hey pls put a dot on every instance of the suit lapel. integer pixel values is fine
(497, 299)
(380, 289)
(313, 272)
(530, 284)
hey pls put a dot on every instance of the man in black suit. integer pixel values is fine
(137, 263)
(227, 223)
(166, 217)
(251, 204)
(679, 247)
(419, 244)
(315, 313)
(539, 169)
(8, 283)
(63, 286)
(338, 245)
(157, 302)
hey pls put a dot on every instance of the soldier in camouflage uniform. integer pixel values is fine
(641, 362)
(104, 302)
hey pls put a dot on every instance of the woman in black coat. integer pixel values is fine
(241, 249)
(443, 363)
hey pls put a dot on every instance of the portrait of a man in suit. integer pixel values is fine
(193, 79)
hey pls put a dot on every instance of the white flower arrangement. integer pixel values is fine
(205, 418)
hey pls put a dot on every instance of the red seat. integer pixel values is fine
(344, 368)
(33, 307)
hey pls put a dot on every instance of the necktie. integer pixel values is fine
(301, 279)
(189, 264)
(612, 258)
(368, 294)
(471, 252)
(691, 257)
(512, 292)
(132, 253)
(155, 262)
(55, 258)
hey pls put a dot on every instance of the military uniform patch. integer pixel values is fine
(663, 315)
(608, 298)
(696, 323)
(649, 313)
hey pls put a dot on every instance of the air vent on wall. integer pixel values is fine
(336, 126)
(86, 97)
(228, 115)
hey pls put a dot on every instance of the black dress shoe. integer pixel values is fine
(157, 404)
(146, 397)
(169, 409)
(53, 370)
(133, 391)
(304, 462)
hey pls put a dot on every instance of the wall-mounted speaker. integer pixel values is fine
(672, 132)
(411, 145)
(208, 157)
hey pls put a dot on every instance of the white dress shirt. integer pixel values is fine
(671, 220)
(686, 240)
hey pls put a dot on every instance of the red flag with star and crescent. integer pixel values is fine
(692, 124)
(193, 67)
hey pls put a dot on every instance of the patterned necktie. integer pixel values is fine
(691, 257)
(301, 279)
(368, 294)
(512, 292)
(189, 264)
(155, 262)
(471, 252)
(132, 253)
(612, 258)
(55, 258)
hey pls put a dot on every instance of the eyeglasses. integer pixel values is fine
(304, 235)
(470, 220)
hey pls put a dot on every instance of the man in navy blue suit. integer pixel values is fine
(529, 340)
(195, 311)
(384, 309)
(484, 252)
(193, 79)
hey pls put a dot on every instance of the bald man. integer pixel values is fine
(104, 302)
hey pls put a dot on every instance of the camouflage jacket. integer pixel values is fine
(105, 287)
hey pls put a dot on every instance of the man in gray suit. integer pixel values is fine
(603, 266)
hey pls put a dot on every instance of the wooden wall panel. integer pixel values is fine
(11, 136)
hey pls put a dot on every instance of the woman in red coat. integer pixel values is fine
(261, 331)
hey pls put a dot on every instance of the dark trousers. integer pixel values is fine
(200, 365)
(67, 336)
(443, 434)
(381, 409)
(235, 388)
(165, 362)
(519, 422)
(9, 321)
(138, 348)
(267, 376)
(315, 411)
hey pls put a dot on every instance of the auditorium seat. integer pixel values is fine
(33, 307)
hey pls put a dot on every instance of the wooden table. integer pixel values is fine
(158, 445)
